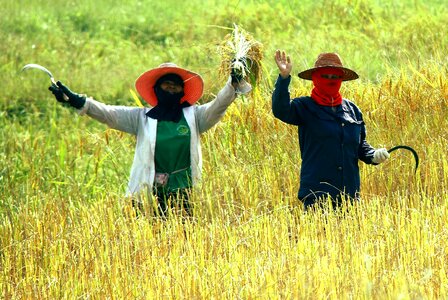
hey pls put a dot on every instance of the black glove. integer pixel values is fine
(75, 100)
(236, 73)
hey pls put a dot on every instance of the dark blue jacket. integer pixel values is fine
(331, 140)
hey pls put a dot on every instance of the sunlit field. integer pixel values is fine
(67, 232)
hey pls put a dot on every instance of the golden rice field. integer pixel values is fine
(66, 231)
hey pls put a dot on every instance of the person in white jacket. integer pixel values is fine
(167, 160)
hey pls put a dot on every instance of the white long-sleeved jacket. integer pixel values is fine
(133, 120)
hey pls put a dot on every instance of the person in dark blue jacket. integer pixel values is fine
(332, 133)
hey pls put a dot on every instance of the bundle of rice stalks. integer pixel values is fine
(240, 51)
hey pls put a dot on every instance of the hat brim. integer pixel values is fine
(348, 74)
(193, 84)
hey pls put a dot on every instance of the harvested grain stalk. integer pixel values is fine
(241, 52)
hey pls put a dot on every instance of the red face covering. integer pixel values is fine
(326, 91)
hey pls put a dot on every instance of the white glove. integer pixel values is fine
(380, 155)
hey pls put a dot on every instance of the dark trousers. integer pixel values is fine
(314, 201)
(175, 200)
(166, 200)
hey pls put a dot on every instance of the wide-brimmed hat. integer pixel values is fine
(193, 83)
(329, 60)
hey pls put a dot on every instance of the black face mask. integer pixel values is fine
(168, 106)
(167, 99)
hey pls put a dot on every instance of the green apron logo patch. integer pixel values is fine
(183, 130)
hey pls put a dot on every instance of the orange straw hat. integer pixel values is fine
(193, 83)
(326, 60)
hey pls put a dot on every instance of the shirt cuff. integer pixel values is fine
(242, 88)
(83, 110)
(282, 82)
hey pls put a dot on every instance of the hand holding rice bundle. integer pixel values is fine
(241, 54)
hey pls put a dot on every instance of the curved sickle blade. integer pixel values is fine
(407, 148)
(39, 67)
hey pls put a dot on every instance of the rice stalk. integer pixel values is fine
(241, 52)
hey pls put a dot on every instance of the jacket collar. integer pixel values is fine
(343, 112)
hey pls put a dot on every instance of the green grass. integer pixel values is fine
(65, 231)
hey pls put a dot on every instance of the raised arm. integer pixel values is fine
(121, 118)
(117, 117)
(284, 63)
(211, 113)
(282, 107)
(207, 115)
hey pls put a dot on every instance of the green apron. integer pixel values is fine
(172, 153)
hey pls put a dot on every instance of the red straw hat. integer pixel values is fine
(193, 84)
(332, 60)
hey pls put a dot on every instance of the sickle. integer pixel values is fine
(39, 67)
(42, 68)
(407, 148)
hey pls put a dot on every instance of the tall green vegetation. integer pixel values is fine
(65, 229)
